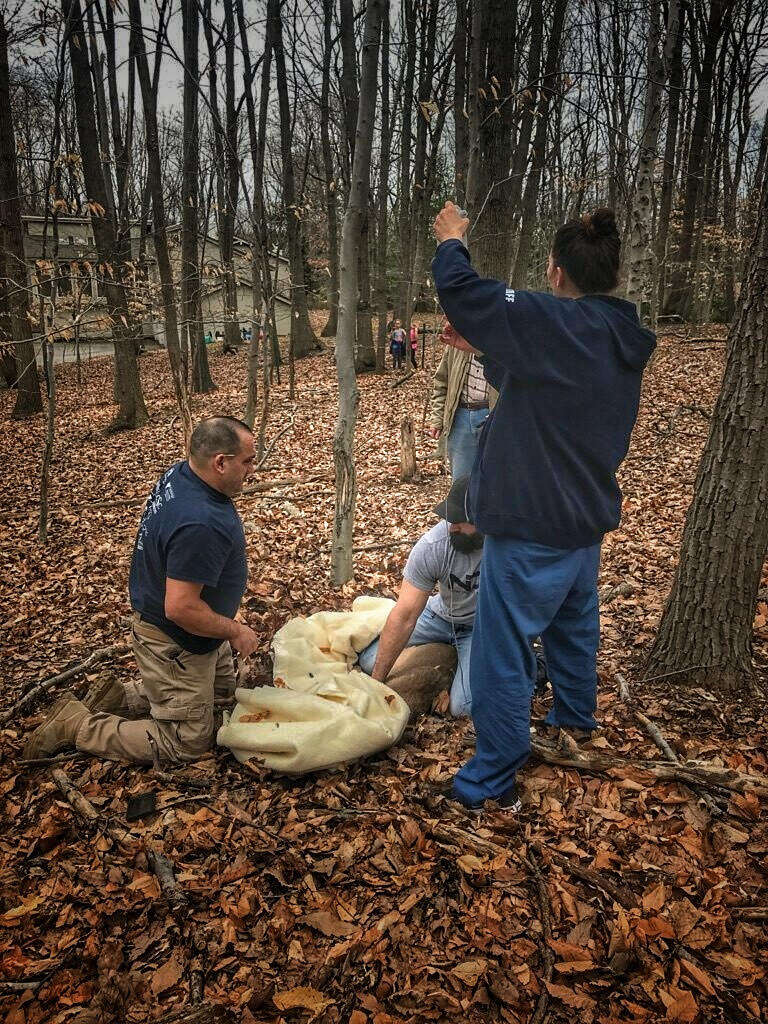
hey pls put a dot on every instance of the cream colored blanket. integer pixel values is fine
(322, 710)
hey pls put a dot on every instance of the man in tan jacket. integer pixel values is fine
(460, 404)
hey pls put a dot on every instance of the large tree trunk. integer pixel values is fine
(489, 188)
(329, 169)
(303, 339)
(14, 278)
(705, 635)
(132, 411)
(190, 270)
(357, 208)
(641, 264)
(159, 232)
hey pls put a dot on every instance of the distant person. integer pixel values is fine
(208, 338)
(219, 336)
(188, 576)
(397, 342)
(414, 344)
(461, 401)
(568, 368)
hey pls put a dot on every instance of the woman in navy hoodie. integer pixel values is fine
(568, 368)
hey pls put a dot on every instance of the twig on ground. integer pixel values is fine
(608, 593)
(620, 894)
(625, 694)
(273, 442)
(46, 684)
(384, 547)
(46, 762)
(79, 803)
(162, 868)
(547, 954)
(401, 380)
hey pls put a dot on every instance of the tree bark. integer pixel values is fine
(28, 398)
(382, 231)
(551, 66)
(705, 634)
(357, 206)
(460, 115)
(132, 411)
(675, 72)
(329, 169)
(190, 269)
(641, 264)
(303, 339)
(489, 189)
(408, 470)
(159, 226)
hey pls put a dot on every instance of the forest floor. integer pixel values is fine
(356, 895)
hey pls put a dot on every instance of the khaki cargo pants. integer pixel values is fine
(177, 691)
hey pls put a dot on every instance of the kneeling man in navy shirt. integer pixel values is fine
(188, 577)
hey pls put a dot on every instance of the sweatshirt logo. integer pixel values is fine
(509, 295)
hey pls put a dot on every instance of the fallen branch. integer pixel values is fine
(625, 694)
(176, 898)
(401, 380)
(593, 878)
(46, 684)
(547, 953)
(708, 776)
(196, 1015)
(272, 444)
(162, 868)
(80, 804)
(384, 547)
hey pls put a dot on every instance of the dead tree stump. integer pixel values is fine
(408, 467)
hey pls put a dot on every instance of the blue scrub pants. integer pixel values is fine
(464, 439)
(431, 628)
(528, 590)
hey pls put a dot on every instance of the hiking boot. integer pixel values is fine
(59, 729)
(107, 694)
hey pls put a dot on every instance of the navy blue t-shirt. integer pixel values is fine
(188, 531)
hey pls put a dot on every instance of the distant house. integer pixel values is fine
(81, 289)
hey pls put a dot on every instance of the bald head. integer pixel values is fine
(221, 453)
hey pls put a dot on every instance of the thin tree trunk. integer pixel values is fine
(303, 339)
(132, 411)
(552, 63)
(641, 275)
(460, 116)
(675, 72)
(190, 270)
(357, 206)
(28, 398)
(159, 226)
(382, 235)
(705, 635)
(331, 202)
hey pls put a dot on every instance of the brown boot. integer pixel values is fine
(107, 694)
(59, 729)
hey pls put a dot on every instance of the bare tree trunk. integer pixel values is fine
(28, 398)
(331, 203)
(382, 234)
(551, 66)
(303, 339)
(155, 176)
(132, 411)
(705, 635)
(460, 115)
(680, 295)
(190, 270)
(641, 275)
(357, 207)
(675, 72)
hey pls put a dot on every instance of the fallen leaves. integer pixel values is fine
(336, 897)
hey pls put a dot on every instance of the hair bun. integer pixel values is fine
(599, 224)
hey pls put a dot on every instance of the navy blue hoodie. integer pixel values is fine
(568, 373)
